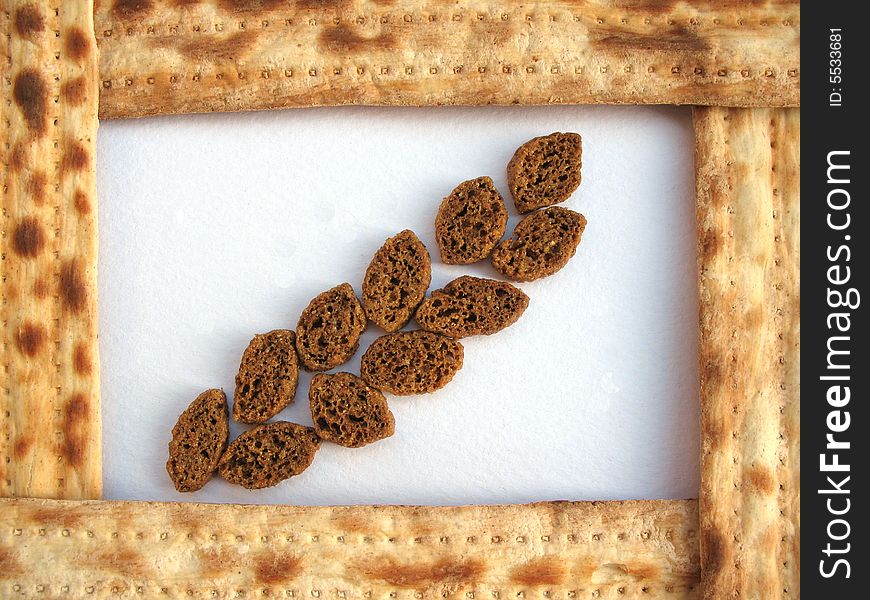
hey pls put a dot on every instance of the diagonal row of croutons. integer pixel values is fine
(352, 410)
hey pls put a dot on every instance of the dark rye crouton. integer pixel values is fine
(545, 171)
(348, 412)
(329, 329)
(472, 306)
(267, 377)
(541, 244)
(470, 222)
(411, 362)
(269, 454)
(396, 281)
(199, 438)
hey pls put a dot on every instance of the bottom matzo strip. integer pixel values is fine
(559, 550)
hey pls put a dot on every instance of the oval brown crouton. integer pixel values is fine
(329, 329)
(472, 306)
(348, 412)
(545, 171)
(541, 244)
(470, 222)
(269, 454)
(267, 377)
(199, 438)
(396, 281)
(411, 362)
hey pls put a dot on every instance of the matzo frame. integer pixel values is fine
(160, 57)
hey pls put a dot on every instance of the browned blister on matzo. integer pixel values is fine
(545, 171)
(396, 281)
(349, 412)
(267, 377)
(472, 306)
(411, 362)
(470, 222)
(329, 329)
(199, 439)
(269, 454)
(541, 244)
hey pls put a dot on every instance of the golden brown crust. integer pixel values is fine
(747, 174)
(50, 434)
(169, 56)
(632, 550)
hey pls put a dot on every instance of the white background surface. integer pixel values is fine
(216, 227)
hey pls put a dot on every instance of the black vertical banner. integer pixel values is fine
(835, 364)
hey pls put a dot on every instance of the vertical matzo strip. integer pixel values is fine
(49, 401)
(748, 164)
(172, 56)
(561, 551)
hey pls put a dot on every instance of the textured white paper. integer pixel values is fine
(216, 227)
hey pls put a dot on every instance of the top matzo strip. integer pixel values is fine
(165, 56)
